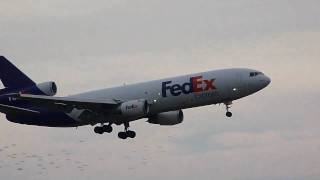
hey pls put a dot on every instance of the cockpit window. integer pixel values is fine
(253, 74)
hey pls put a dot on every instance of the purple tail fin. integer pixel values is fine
(12, 77)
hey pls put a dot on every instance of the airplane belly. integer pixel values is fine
(52, 119)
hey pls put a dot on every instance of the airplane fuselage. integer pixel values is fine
(159, 100)
(188, 91)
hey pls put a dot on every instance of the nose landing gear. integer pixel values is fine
(228, 107)
(229, 114)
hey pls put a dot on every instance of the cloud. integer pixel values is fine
(266, 156)
(55, 9)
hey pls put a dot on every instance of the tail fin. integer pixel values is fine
(12, 77)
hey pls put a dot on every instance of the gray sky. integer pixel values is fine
(84, 45)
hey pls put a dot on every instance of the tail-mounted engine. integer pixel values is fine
(167, 118)
(46, 88)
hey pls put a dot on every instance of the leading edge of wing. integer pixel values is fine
(67, 99)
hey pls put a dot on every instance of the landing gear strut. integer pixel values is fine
(127, 133)
(103, 129)
(228, 106)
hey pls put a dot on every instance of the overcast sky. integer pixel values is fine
(85, 45)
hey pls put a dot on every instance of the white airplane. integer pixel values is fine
(160, 101)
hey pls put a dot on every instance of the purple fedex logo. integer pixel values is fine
(196, 84)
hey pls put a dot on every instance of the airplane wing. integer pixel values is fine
(16, 110)
(67, 104)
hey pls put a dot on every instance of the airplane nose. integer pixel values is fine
(258, 83)
(267, 81)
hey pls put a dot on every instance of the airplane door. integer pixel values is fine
(243, 84)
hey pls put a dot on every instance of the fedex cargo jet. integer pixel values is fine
(161, 101)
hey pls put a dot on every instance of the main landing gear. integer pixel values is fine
(108, 129)
(103, 129)
(228, 107)
(127, 133)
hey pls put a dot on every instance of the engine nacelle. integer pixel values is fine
(135, 108)
(167, 118)
(48, 88)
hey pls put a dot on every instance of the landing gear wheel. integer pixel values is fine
(131, 134)
(229, 114)
(228, 107)
(107, 128)
(127, 133)
(98, 130)
(122, 135)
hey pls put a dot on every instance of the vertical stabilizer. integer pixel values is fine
(11, 77)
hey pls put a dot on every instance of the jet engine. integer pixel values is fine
(135, 108)
(48, 88)
(167, 118)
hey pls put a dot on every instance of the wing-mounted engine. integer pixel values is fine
(167, 118)
(135, 108)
